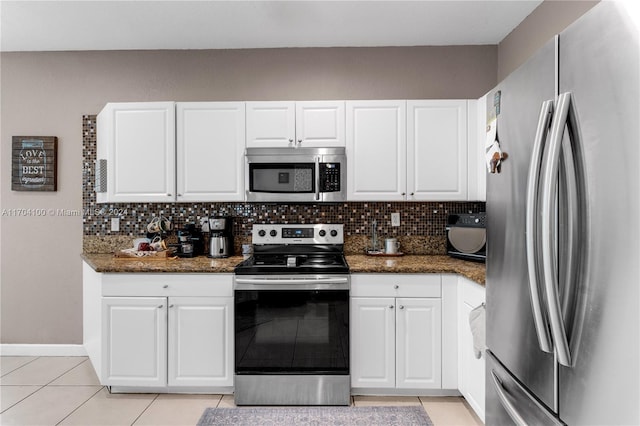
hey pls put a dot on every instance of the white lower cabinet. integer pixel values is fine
(135, 341)
(200, 341)
(396, 331)
(471, 370)
(160, 331)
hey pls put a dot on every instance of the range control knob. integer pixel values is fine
(273, 233)
(477, 220)
(322, 233)
(262, 232)
(334, 233)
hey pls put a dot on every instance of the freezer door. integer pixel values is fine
(599, 66)
(509, 403)
(511, 333)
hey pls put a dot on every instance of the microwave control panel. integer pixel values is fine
(329, 177)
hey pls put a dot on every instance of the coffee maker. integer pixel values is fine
(220, 236)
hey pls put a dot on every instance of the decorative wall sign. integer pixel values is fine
(33, 163)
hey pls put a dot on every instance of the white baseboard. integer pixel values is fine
(41, 350)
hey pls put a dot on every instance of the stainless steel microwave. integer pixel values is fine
(296, 174)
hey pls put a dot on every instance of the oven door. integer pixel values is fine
(292, 325)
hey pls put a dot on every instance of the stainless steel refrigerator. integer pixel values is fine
(563, 229)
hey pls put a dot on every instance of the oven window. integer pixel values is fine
(292, 332)
(282, 178)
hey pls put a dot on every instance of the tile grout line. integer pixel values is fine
(78, 407)
(18, 402)
(72, 368)
(145, 409)
(23, 365)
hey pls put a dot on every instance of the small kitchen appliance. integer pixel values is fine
(185, 243)
(220, 236)
(296, 174)
(467, 236)
(291, 318)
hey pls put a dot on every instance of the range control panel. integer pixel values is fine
(298, 234)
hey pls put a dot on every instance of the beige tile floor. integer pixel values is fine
(38, 391)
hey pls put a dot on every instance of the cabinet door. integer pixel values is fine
(210, 151)
(477, 136)
(320, 123)
(471, 370)
(376, 150)
(134, 331)
(372, 342)
(200, 341)
(418, 343)
(270, 124)
(437, 150)
(140, 151)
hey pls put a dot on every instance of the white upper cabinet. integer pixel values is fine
(138, 142)
(210, 142)
(407, 150)
(283, 124)
(271, 124)
(376, 150)
(320, 123)
(477, 139)
(164, 152)
(437, 150)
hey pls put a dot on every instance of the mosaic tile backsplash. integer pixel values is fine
(422, 229)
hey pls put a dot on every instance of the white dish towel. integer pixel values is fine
(477, 323)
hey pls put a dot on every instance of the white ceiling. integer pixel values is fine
(141, 24)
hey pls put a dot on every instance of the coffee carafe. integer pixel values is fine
(220, 236)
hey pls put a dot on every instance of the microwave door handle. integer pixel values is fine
(317, 196)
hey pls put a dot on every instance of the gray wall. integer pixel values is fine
(47, 94)
(547, 20)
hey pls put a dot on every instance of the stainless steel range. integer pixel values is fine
(292, 318)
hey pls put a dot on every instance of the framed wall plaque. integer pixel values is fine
(34, 163)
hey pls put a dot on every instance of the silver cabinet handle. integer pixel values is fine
(165, 286)
(549, 266)
(299, 141)
(533, 182)
(390, 306)
(161, 306)
(401, 306)
(396, 286)
(290, 140)
(504, 399)
(171, 306)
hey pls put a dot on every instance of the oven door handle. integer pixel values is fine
(334, 283)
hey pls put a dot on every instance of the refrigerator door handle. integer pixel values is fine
(506, 403)
(549, 266)
(533, 182)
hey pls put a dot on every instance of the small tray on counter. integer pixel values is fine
(383, 254)
(151, 255)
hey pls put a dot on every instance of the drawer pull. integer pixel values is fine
(165, 286)
(396, 286)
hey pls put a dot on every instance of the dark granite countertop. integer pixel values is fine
(413, 264)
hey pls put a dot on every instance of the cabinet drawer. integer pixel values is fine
(167, 285)
(395, 285)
